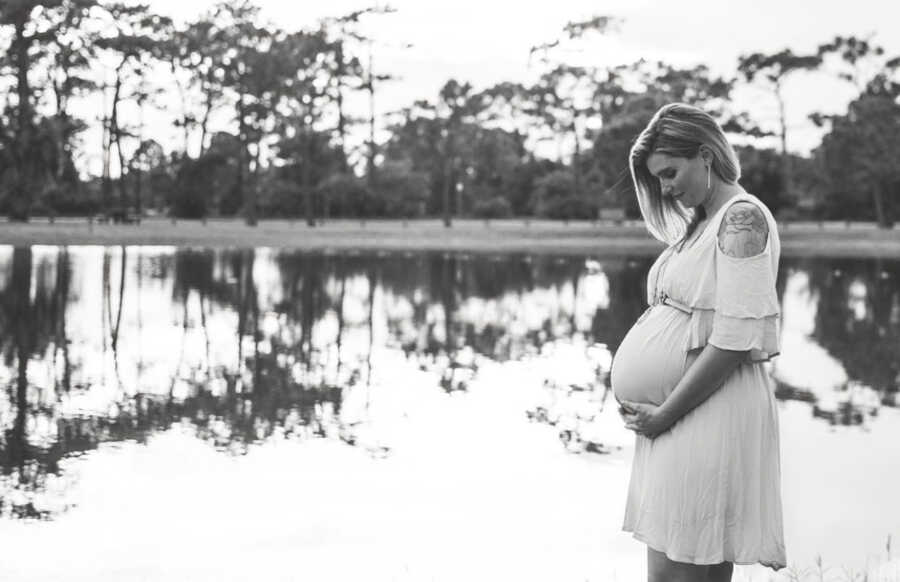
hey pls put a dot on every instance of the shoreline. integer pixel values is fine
(829, 239)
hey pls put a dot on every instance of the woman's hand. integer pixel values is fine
(644, 419)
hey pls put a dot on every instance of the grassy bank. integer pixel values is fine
(599, 238)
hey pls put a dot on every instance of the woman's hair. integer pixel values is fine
(677, 130)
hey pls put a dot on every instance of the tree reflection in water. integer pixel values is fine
(242, 347)
(32, 326)
(857, 322)
(858, 316)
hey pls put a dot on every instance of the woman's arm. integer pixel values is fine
(707, 374)
(743, 233)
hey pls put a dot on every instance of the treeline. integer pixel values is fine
(289, 145)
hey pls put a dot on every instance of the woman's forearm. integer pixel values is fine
(707, 374)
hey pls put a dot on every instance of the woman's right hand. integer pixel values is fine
(645, 419)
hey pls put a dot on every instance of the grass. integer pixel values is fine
(819, 572)
(518, 235)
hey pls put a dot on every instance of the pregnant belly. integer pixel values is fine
(651, 359)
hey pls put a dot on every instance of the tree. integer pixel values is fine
(859, 155)
(308, 158)
(490, 180)
(24, 174)
(561, 102)
(416, 142)
(149, 167)
(402, 190)
(370, 80)
(566, 95)
(859, 62)
(347, 71)
(212, 177)
(854, 60)
(455, 108)
(133, 40)
(190, 196)
(303, 98)
(761, 174)
(553, 198)
(774, 69)
(250, 74)
(69, 51)
(196, 57)
(439, 140)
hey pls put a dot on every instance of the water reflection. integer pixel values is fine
(576, 395)
(105, 345)
(858, 317)
(841, 323)
(32, 323)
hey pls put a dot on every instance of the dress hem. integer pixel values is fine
(740, 562)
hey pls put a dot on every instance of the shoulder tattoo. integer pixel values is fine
(744, 231)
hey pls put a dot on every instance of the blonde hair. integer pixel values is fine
(678, 130)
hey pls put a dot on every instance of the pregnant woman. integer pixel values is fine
(705, 484)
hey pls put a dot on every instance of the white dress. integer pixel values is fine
(709, 489)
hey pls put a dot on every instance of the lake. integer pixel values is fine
(197, 414)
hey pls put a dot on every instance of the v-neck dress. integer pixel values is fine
(709, 489)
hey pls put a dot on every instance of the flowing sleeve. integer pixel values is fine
(747, 315)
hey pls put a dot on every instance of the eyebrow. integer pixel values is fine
(664, 168)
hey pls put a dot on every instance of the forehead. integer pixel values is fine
(657, 162)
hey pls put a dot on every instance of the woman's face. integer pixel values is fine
(682, 179)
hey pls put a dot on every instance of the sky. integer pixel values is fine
(486, 41)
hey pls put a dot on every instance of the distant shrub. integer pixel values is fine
(553, 198)
(347, 195)
(495, 207)
(402, 191)
(190, 196)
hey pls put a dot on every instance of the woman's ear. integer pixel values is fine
(706, 155)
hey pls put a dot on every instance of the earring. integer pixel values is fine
(708, 185)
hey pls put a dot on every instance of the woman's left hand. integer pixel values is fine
(644, 419)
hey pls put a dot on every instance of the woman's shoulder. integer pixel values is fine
(745, 226)
(745, 200)
(745, 204)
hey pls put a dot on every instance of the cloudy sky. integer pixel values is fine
(486, 41)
